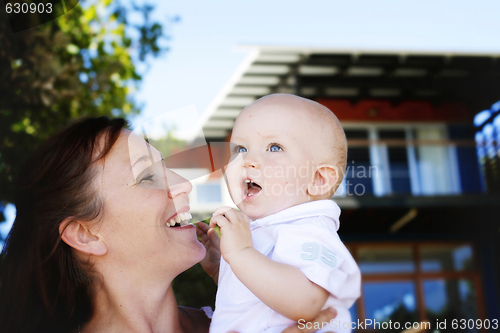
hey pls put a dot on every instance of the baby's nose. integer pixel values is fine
(250, 161)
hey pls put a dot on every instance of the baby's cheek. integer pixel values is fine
(231, 174)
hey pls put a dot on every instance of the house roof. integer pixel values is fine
(353, 75)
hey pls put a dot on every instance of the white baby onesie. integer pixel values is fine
(304, 236)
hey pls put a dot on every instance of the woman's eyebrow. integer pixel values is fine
(145, 158)
(141, 159)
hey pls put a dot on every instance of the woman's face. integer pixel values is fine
(137, 204)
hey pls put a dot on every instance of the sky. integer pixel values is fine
(204, 50)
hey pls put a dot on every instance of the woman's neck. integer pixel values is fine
(122, 306)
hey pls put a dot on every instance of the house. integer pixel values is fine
(420, 198)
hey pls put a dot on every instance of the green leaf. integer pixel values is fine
(72, 49)
(216, 228)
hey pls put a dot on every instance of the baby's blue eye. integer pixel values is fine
(241, 149)
(275, 148)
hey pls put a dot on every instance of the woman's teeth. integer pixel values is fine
(182, 219)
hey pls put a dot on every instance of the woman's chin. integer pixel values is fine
(196, 250)
(201, 252)
(188, 250)
(193, 257)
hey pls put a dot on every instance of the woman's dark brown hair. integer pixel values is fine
(43, 286)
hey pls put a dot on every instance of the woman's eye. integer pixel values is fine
(148, 178)
(275, 147)
(153, 177)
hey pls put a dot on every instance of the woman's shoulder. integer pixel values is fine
(199, 319)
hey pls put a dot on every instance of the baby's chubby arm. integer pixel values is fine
(284, 288)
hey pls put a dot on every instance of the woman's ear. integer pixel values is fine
(79, 237)
(323, 180)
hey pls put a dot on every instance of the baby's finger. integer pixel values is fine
(219, 220)
(212, 223)
(235, 216)
(221, 210)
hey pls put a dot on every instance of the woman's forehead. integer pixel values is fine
(138, 147)
(141, 154)
(130, 152)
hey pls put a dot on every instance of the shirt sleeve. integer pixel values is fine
(320, 254)
(208, 311)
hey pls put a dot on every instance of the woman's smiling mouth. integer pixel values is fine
(179, 220)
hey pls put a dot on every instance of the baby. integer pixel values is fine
(282, 259)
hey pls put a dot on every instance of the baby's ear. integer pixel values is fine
(323, 180)
(78, 236)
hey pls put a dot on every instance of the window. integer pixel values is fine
(208, 193)
(385, 260)
(413, 282)
(394, 301)
(357, 179)
(436, 163)
(488, 149)
(398, 161)
(403, 159)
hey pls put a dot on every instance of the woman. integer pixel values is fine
(101, 190)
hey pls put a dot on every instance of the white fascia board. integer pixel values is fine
(357, 51)
(250, 90)
(318, 70)
(241, 101)
(219, 124)
(259, 80)
(214, 133)
(281, 58)
(227, 113)
(216, 102)
(269, 69)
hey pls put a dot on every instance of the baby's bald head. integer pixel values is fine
(317, 128)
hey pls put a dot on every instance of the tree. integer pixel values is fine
(82, 64)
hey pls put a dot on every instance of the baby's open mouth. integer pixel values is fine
(179, 220)
(252, 187)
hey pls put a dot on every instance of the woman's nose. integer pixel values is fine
(178, 185)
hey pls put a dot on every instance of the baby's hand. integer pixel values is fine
(235, 230)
